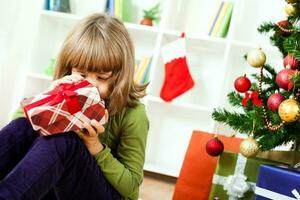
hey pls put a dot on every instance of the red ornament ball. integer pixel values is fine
(282, 78)
(274, 101)
(242, 84)
(290, 62)
(283, 23)
(214, 147)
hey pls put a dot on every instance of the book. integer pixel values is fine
(145, 78)
(127, 10)
(138, 67)
(216, 18)
(111, 7)
(142, 69)
(122, 9)
(117, 12)
(226, 22)
(220, 19)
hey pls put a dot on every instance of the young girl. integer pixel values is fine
(97, 163)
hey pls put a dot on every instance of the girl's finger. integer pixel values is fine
(76, 77)
(90, 129)
(63, 80)
(97, 126)
(66, 78)
(80, 134)
(58, 82)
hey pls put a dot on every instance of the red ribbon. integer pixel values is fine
(65, 91)
(254, 97)
(290, 85)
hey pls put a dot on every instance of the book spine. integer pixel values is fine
(226, 22)
(216, 18)
(138, 69)
(220, 19)
(127, 10)
(111, 7)
(142, 69)
(147, 72)
(117, 8)
(121, 9)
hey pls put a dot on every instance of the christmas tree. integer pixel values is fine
(269, 109)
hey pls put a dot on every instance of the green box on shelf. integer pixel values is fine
(232, 165)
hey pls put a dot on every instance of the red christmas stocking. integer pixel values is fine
(178, 79)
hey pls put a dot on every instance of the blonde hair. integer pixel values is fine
(100, 43)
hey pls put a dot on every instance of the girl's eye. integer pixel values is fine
(83, 75)
(103, 78)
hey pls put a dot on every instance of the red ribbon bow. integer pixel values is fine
(65, 91)
(254, 97)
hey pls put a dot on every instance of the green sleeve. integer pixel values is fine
(125, 174)
(19, 113)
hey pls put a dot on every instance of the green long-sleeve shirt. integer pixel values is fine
(122, 160)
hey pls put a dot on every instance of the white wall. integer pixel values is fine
(8, 12)
(17, 19)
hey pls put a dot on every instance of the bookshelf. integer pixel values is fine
(214, 63)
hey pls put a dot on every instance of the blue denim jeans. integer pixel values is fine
(32, 165)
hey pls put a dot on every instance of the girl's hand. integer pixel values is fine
(90, 135)
(74, 78)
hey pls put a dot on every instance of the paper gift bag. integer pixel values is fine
(65, 108)
(195, 178)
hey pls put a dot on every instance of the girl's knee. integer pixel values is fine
(65, 144)
(20, 123)
(19, 128)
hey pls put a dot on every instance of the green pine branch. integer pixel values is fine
(268, 80)
(266, 27)
(237, 121)
(268, 140)
(270, 70)
(295, 78)
(235, 99)
(291, 45)
(277, 40)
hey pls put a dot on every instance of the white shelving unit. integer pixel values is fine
(3, 54)
(214, 64)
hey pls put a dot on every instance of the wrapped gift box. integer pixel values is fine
(235, 176)
(287, 157)
(277, 183)
(65, 108)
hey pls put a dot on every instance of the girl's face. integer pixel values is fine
(100, 80)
